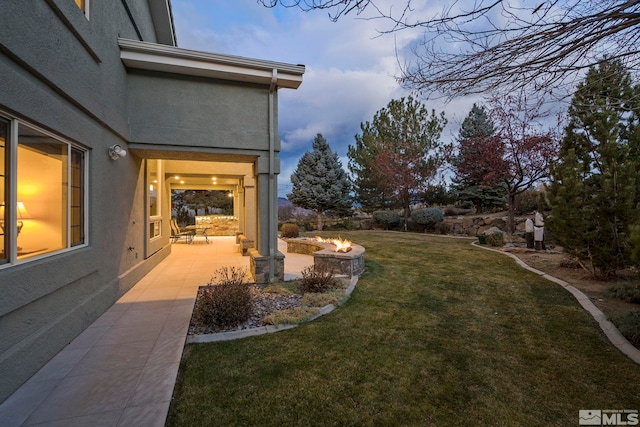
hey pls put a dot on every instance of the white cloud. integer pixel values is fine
(331, 101)
(349, 75)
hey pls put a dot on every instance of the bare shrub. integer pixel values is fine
(443, 228)
(226, 300)
(317, 280)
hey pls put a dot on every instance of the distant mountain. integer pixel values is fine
(282, 202)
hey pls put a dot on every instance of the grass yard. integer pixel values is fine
(437, 333)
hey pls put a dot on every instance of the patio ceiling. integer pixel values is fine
(202, 182)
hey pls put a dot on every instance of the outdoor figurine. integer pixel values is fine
(528, 233)
(538, 231)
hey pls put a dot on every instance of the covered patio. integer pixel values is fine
(122, 369)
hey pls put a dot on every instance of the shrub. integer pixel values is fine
(629, 292)
(290, 231)
(629, 326)
(495, 239)
(455, 211)
(388, 219)
(226, 300)
(634, 238)
(428, 217)
(443, 228)
(317, 280)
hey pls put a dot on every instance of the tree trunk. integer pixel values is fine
(407, 213)
(319, 224)
(511, 220)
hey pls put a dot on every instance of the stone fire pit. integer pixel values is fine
(349, 262)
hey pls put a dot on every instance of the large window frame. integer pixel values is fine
(70, 205)
(155, 188)
(5, 138)
(83, 5)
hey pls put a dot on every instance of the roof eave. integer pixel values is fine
(170, 59)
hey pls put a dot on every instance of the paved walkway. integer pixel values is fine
(122, 369)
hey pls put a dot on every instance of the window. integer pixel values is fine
(83, 5)
(154, 184)
(44, 194)
(4, 138)
(77, 197)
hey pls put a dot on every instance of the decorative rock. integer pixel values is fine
(493, 230)
(499, 223)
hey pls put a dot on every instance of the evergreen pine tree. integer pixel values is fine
(594, 190)
(319, 182)
(476, 178)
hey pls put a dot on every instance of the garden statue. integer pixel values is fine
(538, 231)
(528, 233)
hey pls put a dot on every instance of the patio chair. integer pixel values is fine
(177, 234)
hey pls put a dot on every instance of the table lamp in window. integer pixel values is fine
(22, 214)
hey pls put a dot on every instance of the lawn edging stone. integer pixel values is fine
(251, 332)
(612, 333)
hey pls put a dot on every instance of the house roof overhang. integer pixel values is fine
(171, 59)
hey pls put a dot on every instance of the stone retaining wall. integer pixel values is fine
(219, 225)
(477, 225)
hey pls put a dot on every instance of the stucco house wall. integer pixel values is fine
(197, 112)
(63, 73)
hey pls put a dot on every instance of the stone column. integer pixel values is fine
(267, 263)
(249, 227)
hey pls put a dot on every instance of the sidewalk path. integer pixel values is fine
(122, 369)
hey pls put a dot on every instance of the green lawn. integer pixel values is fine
(437, 333)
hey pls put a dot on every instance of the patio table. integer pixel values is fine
(200, 231)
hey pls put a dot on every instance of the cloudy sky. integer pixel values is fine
(349, 68)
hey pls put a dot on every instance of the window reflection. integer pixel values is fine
(42, 188)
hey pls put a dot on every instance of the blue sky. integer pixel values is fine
(349, 69)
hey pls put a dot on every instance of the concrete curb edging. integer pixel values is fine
(609, 329)
(236, 335)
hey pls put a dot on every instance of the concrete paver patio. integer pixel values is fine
(122, 369)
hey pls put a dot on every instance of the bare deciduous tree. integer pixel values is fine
(528, 147)
(476, 46)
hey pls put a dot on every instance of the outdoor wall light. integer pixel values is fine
(116, 151)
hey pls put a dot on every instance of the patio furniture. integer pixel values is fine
(177, 234)
(199, 230)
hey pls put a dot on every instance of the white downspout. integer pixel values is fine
(273, 243)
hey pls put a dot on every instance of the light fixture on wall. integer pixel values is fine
(116, 151)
